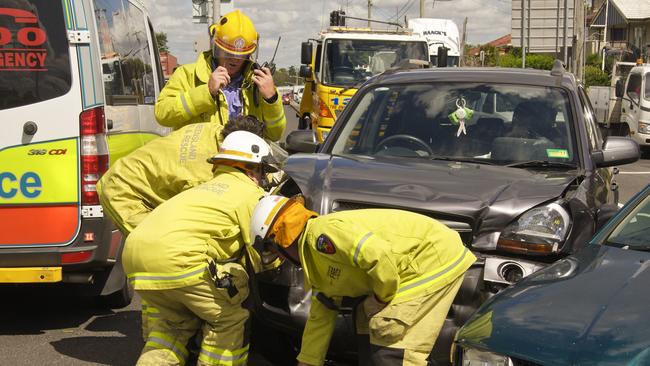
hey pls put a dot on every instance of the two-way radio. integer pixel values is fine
(269, 64)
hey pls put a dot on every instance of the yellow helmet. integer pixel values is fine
(234, 34)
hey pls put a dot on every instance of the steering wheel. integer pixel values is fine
(408, 138)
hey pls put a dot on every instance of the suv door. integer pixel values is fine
(602, 178)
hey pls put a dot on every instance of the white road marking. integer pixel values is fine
(634, 173)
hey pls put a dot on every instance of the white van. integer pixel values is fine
(78, 81)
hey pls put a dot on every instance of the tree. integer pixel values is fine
(281, 77)
(161, 40)
(594, 76)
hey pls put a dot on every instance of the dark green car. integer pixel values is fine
(592, 308)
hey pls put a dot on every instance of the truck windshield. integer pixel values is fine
(452, 61)
(350, 61)
(504, 124)
(34, 56)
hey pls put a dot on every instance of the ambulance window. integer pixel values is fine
(156, 52)
(34, 56)
(126, 59)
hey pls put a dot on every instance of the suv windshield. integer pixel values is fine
(34, 56)
(634, 230)
(350, 61)
(505, 124)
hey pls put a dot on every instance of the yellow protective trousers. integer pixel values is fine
(403, 334)
(185, 310)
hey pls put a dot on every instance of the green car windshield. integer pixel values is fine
(503, 124)
(634, 229)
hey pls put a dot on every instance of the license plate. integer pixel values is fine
(30, 275)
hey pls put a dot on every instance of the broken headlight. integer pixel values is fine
(539, 231)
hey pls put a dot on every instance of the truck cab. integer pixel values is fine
(342, 58)
(439, 33)
(635, 104)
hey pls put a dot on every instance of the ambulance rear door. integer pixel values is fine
(40, 112)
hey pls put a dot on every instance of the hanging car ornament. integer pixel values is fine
(459, 116)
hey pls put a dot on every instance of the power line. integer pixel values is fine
(408, 8)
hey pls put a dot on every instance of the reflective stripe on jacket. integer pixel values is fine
(186, 99)
(171, 246)
(396, 255)
(154, 173)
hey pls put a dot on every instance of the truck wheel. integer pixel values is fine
(120, 298)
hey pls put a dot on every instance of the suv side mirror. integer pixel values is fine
(305, 53)
(616, 151)
(305, 71)
(301, 141)
(619, 88)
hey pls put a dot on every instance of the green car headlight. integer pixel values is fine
(474, 357)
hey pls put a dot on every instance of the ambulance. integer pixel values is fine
(78, 82)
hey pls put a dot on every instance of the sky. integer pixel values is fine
(297, 20)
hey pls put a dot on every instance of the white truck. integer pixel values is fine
(439, 33)
(623, 108)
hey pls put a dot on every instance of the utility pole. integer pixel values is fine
(422, 8)
(605, 33)
(557, 31)
(216, 10)
(566, 21)
(462, 43)
(369, 12)
(523, 39)
(579, 36)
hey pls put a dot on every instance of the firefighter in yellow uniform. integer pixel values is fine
(223, 83)
(185, 259)
(141, 181)
(407, 267)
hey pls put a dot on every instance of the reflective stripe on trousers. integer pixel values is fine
(216, 356)
(159, 340)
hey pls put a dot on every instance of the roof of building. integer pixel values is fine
(503, 41)
(622, 11)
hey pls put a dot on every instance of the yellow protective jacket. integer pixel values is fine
(157, 171)
(395, 255)
(186, 99)
(172, 245)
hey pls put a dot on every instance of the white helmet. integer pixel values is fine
(245, 147)
(264, 215)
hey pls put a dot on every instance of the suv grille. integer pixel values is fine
(464, 229)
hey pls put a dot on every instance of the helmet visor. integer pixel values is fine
(219, 53)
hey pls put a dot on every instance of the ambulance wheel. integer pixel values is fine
(120, 298)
